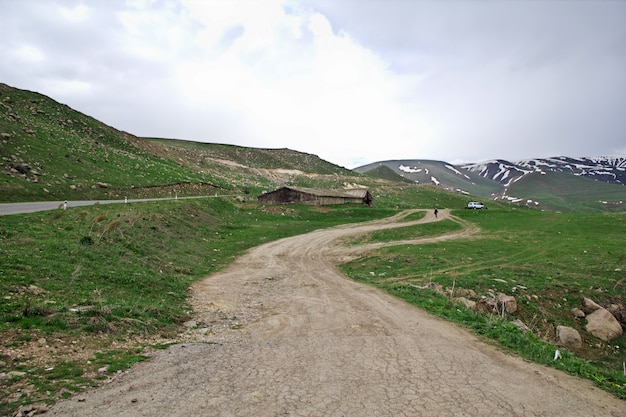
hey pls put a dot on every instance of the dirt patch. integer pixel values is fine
(281, 332)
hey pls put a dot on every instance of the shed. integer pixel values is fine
(287, 195)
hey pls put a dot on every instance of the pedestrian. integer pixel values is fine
(65, 205)
(436, 213)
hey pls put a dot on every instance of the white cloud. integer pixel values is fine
(353, 82)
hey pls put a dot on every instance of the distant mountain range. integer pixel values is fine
(611, 169)
(557, 183)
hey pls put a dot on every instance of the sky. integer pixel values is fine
(352, 81)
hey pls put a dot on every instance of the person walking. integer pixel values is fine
(436, 213)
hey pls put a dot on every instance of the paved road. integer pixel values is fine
(32, 207)
(291, 336)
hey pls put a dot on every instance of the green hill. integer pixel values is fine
(52, 152)
(559, 191)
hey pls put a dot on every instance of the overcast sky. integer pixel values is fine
(353, 81)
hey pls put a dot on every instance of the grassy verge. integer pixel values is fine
(548, 261)
(85, 289)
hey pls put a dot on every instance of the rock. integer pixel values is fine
(568, 337)
(588, 305)
(487, 305)
(31, 410)
(102, 185)
(462, 292)
(521, 325)
(103, 370)
(436, 287)
(190, 324)
(603, 325)
(509, 303)
(578, 313)
(614, 308)
(620, 316)
(468, 303)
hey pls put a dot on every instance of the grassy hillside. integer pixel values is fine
(51, 152)
(559, 191)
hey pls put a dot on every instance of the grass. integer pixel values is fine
(108, 274)
(549, 261)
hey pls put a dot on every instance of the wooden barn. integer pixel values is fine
(287, 195)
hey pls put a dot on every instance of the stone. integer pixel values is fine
(462, 292)
(620, 316)
(487, 305)
(578, 313)
(190, 324)
(589, 306)
(603, 325)
(509, 303)
(468, 303)
(568, 337)
(520, 324)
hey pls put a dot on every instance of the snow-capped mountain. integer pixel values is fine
(610, 169)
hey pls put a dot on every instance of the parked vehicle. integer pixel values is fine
(475, 205)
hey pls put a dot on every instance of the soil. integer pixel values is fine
(282, 332)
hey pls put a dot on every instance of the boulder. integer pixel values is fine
(568, 337)
(508, 302)
(603, 325)
(487, 305)
(578, 313)
(468, 303)
(589, 306)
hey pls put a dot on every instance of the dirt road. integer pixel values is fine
(291, 336)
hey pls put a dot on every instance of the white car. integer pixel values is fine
(475, 205)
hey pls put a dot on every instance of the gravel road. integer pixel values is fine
(282, 333)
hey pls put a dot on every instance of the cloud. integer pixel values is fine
(351, 81)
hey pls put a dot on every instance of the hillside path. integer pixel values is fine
(291, 336)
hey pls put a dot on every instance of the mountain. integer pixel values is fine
(437, 173)
(610, 169)
(560, 183)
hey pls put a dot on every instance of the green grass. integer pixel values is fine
(406, 233)
(548, 261)
(110, 272)
(559, 191)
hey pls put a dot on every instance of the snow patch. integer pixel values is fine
(409, 170)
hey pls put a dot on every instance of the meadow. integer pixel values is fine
(548, 261)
